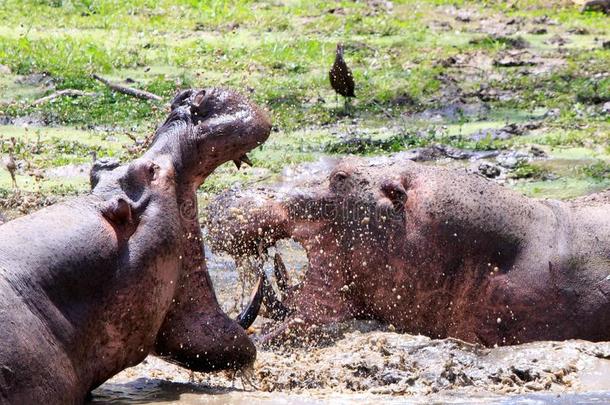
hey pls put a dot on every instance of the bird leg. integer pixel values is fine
(346, 105)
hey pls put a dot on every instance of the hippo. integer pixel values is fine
(93, 285)
(208, 128)
(426, 250)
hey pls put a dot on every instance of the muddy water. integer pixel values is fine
(369, 364)
(373, 367)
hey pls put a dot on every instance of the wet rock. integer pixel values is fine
(606, 107)
(488, 93)
(489, 170)
(435, 152)
(477, 60)
(514, 60)
(491, 134)
(503, 133)
(557, 40)
(578, 31)
(537, 152)
(545, 20)
(596, 5)
(36, 79)
(552, 113)
(539, 31)
(32, 120)
(512, 159)
(421, 154)
(464, 16)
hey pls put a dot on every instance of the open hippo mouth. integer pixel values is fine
(342, 222)
(205, 128)
(228, 232)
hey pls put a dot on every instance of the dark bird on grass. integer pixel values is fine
(341, 78)
(11, 166)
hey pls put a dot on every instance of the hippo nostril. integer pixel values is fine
(339, 176)
(395, 192)
(338, 183)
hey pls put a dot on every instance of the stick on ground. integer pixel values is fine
(62, 93)
(130, 91)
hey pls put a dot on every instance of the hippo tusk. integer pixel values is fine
(281, 274)
(263, 292)
(275, 309)
(243, 158)
(250, 312)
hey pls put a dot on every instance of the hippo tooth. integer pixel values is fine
(243, 158)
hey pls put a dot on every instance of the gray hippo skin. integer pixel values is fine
(86, 285)
(431, 251)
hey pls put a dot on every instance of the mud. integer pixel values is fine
(368, 365)
(393, 364)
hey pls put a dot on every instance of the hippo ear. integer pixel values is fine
(118, 212)
(198, 99)
(198, 106)
(181, 98)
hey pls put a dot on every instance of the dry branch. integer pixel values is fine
(130, 91)
(62, 93)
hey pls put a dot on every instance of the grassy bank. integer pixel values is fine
(444, 69)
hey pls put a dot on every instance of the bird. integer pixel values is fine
(11, 166)
(341, 77)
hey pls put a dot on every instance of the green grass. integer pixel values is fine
(279, 53)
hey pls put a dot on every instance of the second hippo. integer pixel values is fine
(430, 251)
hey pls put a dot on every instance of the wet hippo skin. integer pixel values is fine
(430, 251)
(81, 293)
(93, 285)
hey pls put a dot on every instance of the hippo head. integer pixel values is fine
(205, 128)
(348, 220)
